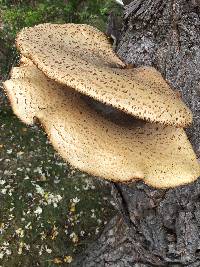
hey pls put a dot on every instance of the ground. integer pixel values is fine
(49, 212)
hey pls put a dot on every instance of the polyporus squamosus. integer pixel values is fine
(82, 58)
(79, 60)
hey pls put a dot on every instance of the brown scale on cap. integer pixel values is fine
(24, 61)
(159, 155)
(81, 57)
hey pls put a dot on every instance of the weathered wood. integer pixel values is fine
(157, 227)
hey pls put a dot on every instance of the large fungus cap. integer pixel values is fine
(81, 57)
(160, 155)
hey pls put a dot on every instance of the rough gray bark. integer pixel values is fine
(166, 35)
(157, 227)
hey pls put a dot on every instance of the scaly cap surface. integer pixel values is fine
(159, 155)
(81, 57)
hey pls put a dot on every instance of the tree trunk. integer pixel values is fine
(157, 227)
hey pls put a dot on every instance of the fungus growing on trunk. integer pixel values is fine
(64, 70)
(160, 155)
(81, 57)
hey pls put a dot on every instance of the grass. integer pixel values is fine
(49, 212)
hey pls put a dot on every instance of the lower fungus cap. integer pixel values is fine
(159, 155)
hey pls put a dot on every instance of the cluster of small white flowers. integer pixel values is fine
(39, 170)
(38, 211)
(48, 197)
(20, 232)
(48, 250)
(8, 172)
(4, 191)
(88, 185)
(19, 154)
(9, 151)
(4, 250)
(7, 190)
(28, 226)
(21, 246)
(53, 199)
(82, 233)
(74, 237)
(2, 182)
(39, 190)
(75, 200)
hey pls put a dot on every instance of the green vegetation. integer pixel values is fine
(49, 212)
(16, 14)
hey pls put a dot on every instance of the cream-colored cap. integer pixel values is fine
(81, 57)
(24, 61)
(159, 155)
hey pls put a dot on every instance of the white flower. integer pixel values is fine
(9, 151)
(2, 182)
(20, 153)
(28, 225)
(39, 190)
(3, 191)
(38, 210)
(39, 170)
(8, 252)
(93, 215)
(7, 172)
(74, 237)
(20, 232)
(41, 249)
(75, 200)
(76, 188)
(27, 247)
(48, 250)
(53, 199)
(21, 245)
(66, 231)
(82, 233)
(59, 197)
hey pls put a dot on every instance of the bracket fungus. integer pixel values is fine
(81, 57)
(60, 66)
